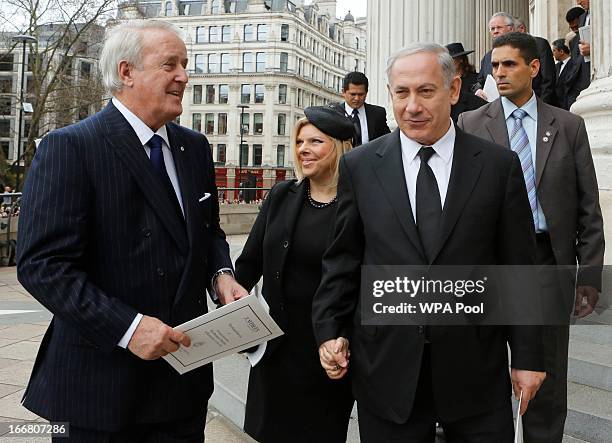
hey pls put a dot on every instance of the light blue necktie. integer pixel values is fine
(519, 143)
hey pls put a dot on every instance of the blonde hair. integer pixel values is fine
(340, 147)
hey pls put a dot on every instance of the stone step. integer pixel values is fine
(589, 415)
(590, 364)
(599, 334)
(570, 439)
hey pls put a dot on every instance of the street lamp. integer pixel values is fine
(242, 108)
(23, 38)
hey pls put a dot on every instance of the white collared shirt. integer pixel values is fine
(363, 121)
(563, 65)
(530, 124)
(441, 163)
(144, 134)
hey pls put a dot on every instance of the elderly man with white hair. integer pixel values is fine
(116, 241)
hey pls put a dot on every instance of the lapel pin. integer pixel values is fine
(545, 139)
(548, 133)
(182, 149)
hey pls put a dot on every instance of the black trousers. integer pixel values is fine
(492, 426)
(544, 420)
(186, 431)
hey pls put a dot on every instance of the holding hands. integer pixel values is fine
(334, 355)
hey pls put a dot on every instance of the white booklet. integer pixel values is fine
(490, 89)
(518, 426)
(224, 331)
(585, 36)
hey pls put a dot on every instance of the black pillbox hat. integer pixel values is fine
(330, 122)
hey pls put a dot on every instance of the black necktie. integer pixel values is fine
(559, 64)
(357, 125)
(428, 204)
(159, 166)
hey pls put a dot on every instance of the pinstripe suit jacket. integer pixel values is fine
(99, 241)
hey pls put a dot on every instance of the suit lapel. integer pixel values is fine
(370, 121)
(122, 138)
(295, 199)
(464, 175)
(545, 138)
(496, 125)
(390, 172)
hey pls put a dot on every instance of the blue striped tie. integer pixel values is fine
(519, 143)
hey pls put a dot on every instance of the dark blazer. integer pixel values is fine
(543, 84)
(486, 220)
(265, 251)
(564, 82)
(376, 117)
(467, 102)
(566, 183)
(100, 240)
(581, 75)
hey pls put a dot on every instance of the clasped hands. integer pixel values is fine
(153, 338)
(334, 355)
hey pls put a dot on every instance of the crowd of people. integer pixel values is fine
(118, 243)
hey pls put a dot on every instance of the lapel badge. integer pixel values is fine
(545, 139)
(182, 149)
(548, 133)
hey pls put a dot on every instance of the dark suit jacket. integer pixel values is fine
(467, 102)
(581, 75)
(564, 82)
(486, 220)
(543, 84)
(565, 182)
(376, 117)
(100, 240)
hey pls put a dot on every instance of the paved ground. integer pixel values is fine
(23, 321)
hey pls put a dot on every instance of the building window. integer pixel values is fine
(245, 94)
(197, 94)
(244, 155)
(223, 93)
(200, 34)
(225, 63)
(247, 62)
(209, 123)
(282, 94)
(221, 154)
(222, 124)
(213, 34)
(282, 123)
(258, 123)
(248, 33)
(356, 42)
(244, 123)
(256, 155)
(226, 34)
(280, 155)
(356, 64)
(213, 63)
(214, 7)
(6, 85)
(200, 67)
(85, 70)
(4, 148)
(6, 105)
(284, 61)
(262, 33)
(284, 33)
(259, 93)
(260, 61)
(196, 122)
(168, 8)
(210, 94)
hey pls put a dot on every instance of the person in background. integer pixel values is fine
(290, 398)
(467, 100)
(566, 71)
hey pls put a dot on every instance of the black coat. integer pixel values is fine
(486, 220)
(376, 117)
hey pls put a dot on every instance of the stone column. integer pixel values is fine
(595, 103)
(548, 19)
(393, 24)
(232, 149)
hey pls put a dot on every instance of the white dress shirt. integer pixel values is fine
(144, 134)
(564, 62)
(363, 121)
(530, 123)
(441, 163)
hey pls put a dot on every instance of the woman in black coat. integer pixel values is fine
(290, 397)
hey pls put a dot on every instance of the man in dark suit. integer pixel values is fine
(370, 121)
(544, 84)
(565, 68)
(390, 199)
(577, 17)
(565, 203)
(467, 100)
(120, 239)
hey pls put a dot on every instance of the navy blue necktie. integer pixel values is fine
(155, 144)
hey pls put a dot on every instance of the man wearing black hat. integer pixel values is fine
(370, 121)
(467, 100)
